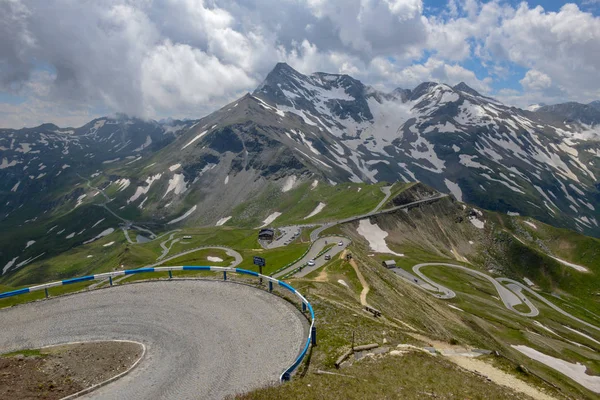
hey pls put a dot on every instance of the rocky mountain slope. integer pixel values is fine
(293, 129)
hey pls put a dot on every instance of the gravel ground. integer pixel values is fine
(205, 340)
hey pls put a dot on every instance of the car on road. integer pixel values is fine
(311, 263)
(327, 257)
(340, 243)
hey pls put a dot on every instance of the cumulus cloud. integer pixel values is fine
(536, 80)
(564, 46)
(186, 58)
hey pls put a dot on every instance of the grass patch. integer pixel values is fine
(414, 375)
(25, 353)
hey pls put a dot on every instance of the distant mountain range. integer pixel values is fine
(326, 127)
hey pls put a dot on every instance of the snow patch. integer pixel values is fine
(100, 235)
(223, 221)
(581, 334)
(195, 139)
(571, 370)
(29, 243)
(108, 244)
(289, 183)
(579, 268)
(123, 183)
(317, 210)
(96, 224)
(176, 184)
(375, 236)
(184, 216)
(531, 224)
(143, 190)
(454, 189)
(343, 283)
(226, 181)
(14, 188)
(174, 167)
(214, 259)
(80, 200)
(6, 164)
(147, 143)
(9, 265)
(270, 219)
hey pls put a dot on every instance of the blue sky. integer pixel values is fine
(185, 58)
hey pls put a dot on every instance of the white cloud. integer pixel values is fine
(536, 80)
(433, 70)
(188, 57)
(564, 46)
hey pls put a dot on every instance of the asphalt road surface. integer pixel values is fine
(508, 297)
(318, 246)
(204, 339)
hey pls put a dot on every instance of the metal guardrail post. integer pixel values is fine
(313, 335)
(303, 307)
(110, 280)
(270, 287)
(170, 274)
(46, 291)
(224, 275)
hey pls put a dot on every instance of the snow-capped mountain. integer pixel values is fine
(294, 128)
(496, 156)
(33, 159)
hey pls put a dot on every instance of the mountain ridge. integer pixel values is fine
(295, 128)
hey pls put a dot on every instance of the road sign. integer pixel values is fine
(259, 261)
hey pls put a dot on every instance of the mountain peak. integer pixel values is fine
(463, 87)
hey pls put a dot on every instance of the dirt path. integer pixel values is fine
(322, 276)
(363, 282)
(498, 376)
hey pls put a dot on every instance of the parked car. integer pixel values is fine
(311, 263)
(327, 257)
(340, 243)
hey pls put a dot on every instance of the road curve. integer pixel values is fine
(314, 235)
(315, 248)
(204, 339)
(547, 302)
(508, 297)
(230, 252)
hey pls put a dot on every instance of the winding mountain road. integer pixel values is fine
(204, 339)
(511, 295)
(508, 297)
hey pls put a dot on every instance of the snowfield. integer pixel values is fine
(375, 236)
(177, 185)
(573, 371)
(214, 259)
(140, 190)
